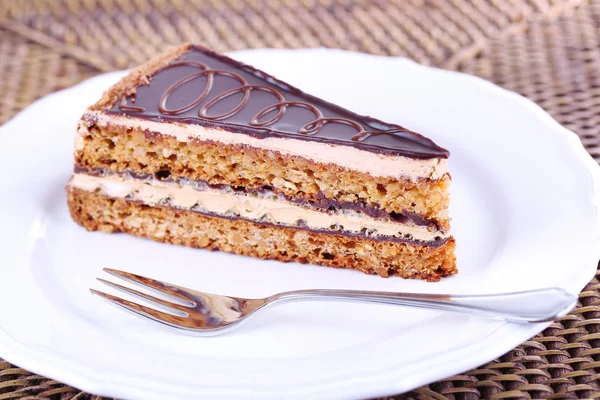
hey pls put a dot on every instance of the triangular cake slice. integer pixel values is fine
(197, 149)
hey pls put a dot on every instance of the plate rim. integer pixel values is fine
(88, 379)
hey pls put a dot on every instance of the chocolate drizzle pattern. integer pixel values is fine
(212, 90)
(123, 106)
(280, 107)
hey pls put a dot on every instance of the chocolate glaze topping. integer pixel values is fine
(212, 90)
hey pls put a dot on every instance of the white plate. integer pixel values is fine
(525, 216)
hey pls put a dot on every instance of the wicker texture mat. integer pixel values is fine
(547, 50)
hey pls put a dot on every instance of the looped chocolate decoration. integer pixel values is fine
(246, 89)
(162, 105)
(281, 107)
(126, 107)
(310, 128)
(363, 134)
(316, 125)
(203, 88)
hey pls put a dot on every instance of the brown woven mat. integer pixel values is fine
(547, 50)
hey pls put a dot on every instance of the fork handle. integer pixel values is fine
(540, 305)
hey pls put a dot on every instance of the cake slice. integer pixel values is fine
(197, 149)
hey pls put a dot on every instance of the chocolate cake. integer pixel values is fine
(197, 149)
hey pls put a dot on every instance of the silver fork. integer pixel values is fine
(207, 313)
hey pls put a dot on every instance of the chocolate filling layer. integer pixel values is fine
(322, 203)
(365, 234)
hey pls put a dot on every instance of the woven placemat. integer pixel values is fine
(547, 50)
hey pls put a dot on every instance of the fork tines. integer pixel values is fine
(175, 312)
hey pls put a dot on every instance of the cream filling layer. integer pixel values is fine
(374, 164)
(254, 208)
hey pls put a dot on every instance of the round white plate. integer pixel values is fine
(525, 215)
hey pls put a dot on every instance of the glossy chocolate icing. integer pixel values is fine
(212, 90)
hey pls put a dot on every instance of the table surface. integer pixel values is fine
(547, 50)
